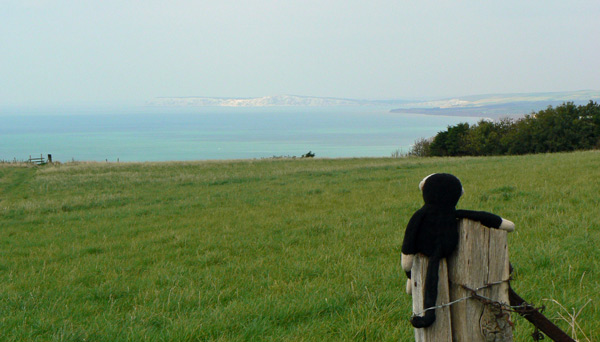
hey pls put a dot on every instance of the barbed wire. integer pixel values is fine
(441, 306)
(485, 300)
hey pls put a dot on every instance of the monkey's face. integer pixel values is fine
(441, 189)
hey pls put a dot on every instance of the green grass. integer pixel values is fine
(272, 250)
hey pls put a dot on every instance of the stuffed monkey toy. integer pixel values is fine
(433, 231)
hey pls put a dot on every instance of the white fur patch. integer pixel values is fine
(407, 262)
(507, 225)
(422, 184)
(409, 286)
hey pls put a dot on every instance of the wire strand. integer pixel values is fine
(481, 298)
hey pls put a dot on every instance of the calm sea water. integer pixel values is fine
(164, 134)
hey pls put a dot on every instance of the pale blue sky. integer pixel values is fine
(112, 51)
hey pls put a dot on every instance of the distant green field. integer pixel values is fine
(273, 250)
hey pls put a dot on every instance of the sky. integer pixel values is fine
(55, 52)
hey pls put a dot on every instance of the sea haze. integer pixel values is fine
(166, 134)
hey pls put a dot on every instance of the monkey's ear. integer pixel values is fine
(422, 184)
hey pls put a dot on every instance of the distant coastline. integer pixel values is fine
(267, 101)
(495, 112)
(498, 106)
(494, 106)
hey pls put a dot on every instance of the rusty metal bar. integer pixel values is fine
(530, 313)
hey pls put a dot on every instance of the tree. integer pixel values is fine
(421, 148)
(452, 142)
(563, 128)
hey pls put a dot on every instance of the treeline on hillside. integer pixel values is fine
(563, 128)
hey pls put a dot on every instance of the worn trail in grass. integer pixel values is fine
(271, 249)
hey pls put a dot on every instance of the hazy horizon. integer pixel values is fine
(63, 52)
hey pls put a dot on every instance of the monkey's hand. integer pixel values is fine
(407, 262)
(507, 225)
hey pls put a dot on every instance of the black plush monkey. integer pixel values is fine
(433, 231)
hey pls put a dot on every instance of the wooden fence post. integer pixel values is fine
(441, 330)
(481, 264)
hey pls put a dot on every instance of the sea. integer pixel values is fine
(143, 133)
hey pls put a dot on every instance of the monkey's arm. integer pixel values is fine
(487, 219)
(409, 245)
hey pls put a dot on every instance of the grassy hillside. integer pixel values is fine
(302, 250)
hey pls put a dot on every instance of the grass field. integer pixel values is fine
(273, 250)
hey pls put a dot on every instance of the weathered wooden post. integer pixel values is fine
(480, 264)
(478, 271)
(441, 330)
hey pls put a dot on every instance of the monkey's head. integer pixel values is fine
(441, 189)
